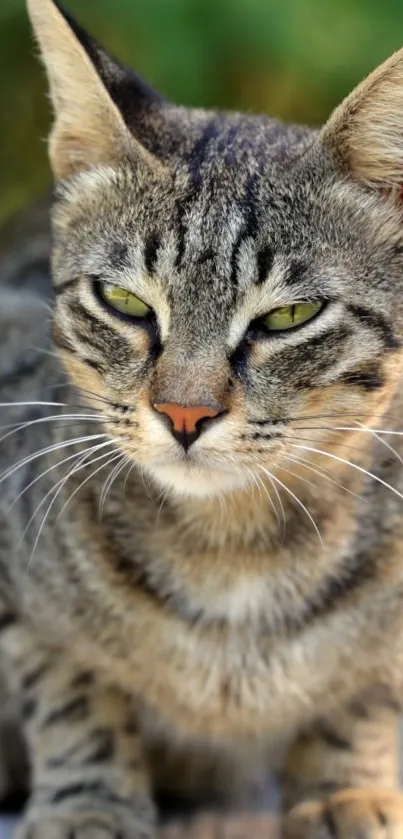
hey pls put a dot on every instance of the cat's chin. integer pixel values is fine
(197, 481)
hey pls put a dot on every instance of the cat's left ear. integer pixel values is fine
(365, 133)
(89, 92)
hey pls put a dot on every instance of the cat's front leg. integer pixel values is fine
(89, 779)
(343, 775)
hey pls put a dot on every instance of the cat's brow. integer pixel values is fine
(295, 273)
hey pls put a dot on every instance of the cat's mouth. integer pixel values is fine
(213, 465)
(197, 479)
(198, 474)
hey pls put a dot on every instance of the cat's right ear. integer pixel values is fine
(365, 133)
(89, 127)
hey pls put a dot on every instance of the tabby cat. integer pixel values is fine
(201, 516)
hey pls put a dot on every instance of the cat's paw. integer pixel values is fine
(90, 825)
(348, 814)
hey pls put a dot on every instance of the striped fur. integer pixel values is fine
(171, 618)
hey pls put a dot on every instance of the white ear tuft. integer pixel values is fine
(89, 129)
(365, 132)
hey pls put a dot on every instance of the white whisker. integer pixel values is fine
(54, 418)
(270, 500)
(80, 459)
(371, 430)
(98, 396)
(358, 429)
(42, 351)
(353, 466)
(315, 439)
(93, 393)
(114, 456)
(223, 507)
(55, 466)
(254, 480)
(383, 442)
(109, 481)
(295, 497)
(278, 496)
(60, 486)
(131, 466)
(144, 482)
(163, 499)
(32, 404)
(48, 450)
(281, 505)
(299, 477)
(323, 473)
(21, 425)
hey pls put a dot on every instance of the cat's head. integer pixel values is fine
(228, 285)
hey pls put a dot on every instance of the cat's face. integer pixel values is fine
(227, 290)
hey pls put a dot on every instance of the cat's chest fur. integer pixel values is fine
(246, 650)
(230, 680)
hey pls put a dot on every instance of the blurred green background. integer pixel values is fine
(291, 58)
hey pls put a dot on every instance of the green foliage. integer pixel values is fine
(294, 59)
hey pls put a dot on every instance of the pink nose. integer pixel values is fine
(185, 420)
(185, 417)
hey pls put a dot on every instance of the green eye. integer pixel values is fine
(287, 317)
(123, 301)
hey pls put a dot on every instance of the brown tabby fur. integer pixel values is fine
(248, 592)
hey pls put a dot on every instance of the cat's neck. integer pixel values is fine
(265, 513)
